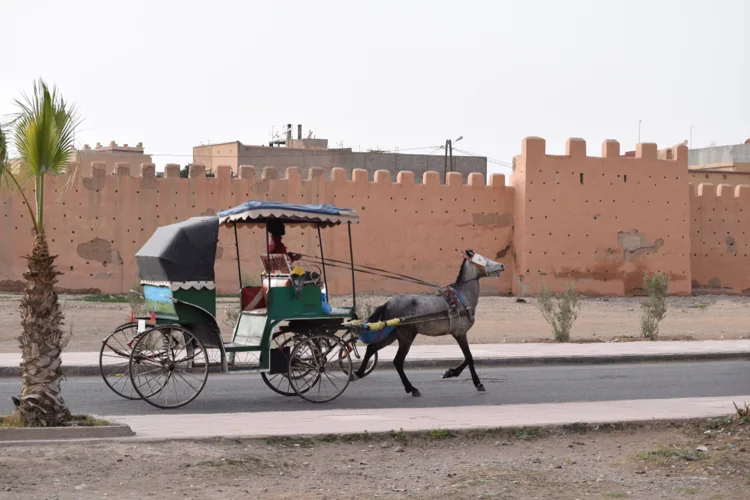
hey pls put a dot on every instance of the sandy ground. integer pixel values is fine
(659, 461)
(499, 319)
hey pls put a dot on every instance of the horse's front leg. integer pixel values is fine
(463, 343)
(360, 372)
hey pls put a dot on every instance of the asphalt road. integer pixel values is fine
(512, 385)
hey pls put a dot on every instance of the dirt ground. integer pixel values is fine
(499, 319)
(655, 461)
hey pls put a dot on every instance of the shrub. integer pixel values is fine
(559, 310)
(654, 307)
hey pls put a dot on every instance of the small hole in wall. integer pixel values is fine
(581, 178)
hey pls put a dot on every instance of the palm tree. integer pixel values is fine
(43, 132)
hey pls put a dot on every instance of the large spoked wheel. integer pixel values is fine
(356, 361)
(319, 368)
(279, 382)
(114, 360)
(173, 366)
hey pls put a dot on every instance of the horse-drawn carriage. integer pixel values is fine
(286, 330)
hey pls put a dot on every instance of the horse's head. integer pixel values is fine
(482, 266)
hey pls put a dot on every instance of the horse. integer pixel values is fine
(464, 294)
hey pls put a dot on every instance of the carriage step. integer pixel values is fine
(237, 347)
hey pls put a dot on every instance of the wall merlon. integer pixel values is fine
(195, 171)
(532, 147)
(224, 172)
(610, 149)
(122, 169)
(680, 154)
(405, 177)
(147, 170)
(497, 181)
(172, 171)
(247, 172)
(360, 176)
(315, 174)
(742, 191)
(646, 151)
(339, 175)
(383, 177)
(455, 179)
(725, 190)
(431, 178)
(294, 174)
(98, 169)
(706, 189)
(476, 180)
(270, 173)
(575, 147)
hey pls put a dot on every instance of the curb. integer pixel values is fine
(570, 428)
(93, 370)
(62, 434)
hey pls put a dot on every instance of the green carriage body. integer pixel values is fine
(176, 267)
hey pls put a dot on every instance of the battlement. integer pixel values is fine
(293, 174)
(534, 148)
(114, 147)
(723, 191)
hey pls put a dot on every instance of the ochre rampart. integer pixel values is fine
(601, 221)
(416, 229)
(598, 220)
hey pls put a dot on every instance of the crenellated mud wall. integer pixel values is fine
(601, 221)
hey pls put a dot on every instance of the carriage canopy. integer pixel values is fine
(181, 253)
(258, 213)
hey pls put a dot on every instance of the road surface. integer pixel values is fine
(505, 386)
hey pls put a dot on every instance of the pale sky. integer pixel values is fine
(386, 74)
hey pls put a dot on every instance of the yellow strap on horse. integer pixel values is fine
(375, 326)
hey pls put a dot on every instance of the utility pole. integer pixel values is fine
(639, 130)
(445, 168)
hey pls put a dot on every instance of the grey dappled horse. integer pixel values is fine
(473, 268)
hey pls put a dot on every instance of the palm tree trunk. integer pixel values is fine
(41, 403)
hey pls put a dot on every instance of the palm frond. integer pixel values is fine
(44, 137)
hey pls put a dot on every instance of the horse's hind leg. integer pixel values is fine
(463, 343)
(371, 349)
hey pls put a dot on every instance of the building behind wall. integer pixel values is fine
(110, 156)
(720, 164)
(311, 152)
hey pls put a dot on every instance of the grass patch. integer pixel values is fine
(89, 421)
(530, 433)
(290, 442)
(105, 298)
(400, 436)
(689, 491)
(617, 494)
(441, 434)
(12, 420)
(663, 456)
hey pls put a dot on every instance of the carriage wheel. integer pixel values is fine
(315, 368)
(279, 382)
(174, 366)
(114, 360)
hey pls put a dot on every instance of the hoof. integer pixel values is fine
(354, 377)
(481, 388)
(416, 393)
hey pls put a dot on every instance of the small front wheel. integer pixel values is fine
(319, 368)
(172, 366)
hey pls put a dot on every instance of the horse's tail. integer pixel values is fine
(378, 314)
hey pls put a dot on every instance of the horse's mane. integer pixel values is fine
(461, 271)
